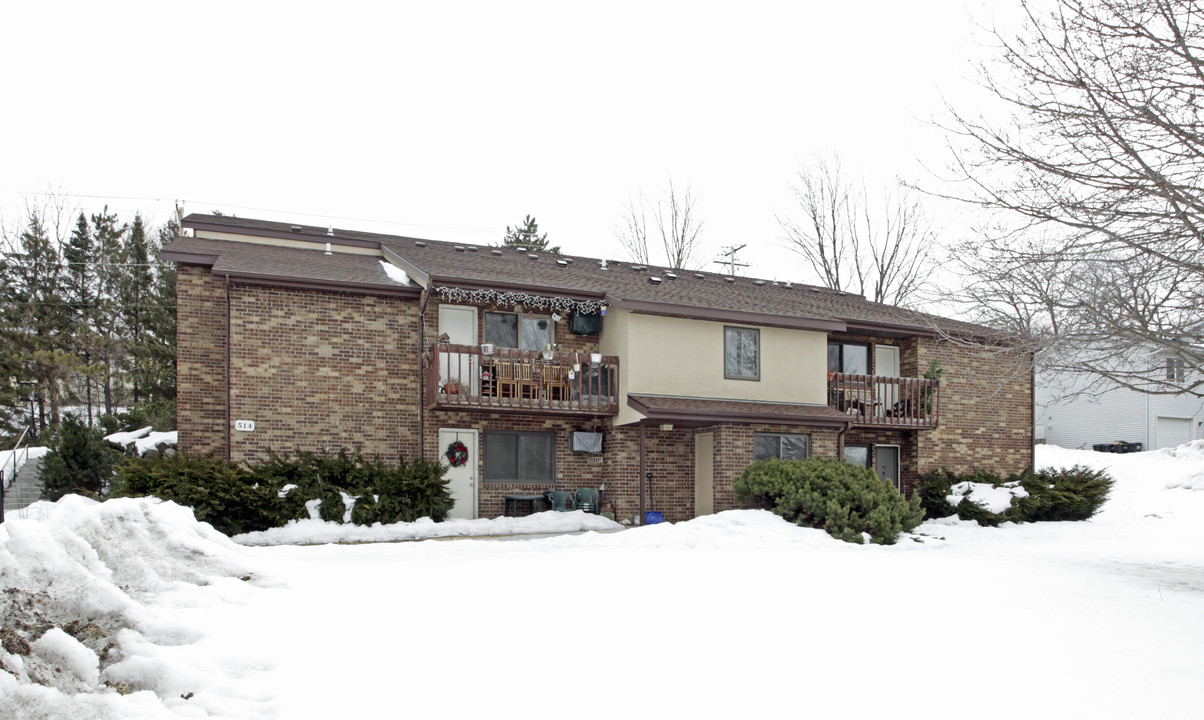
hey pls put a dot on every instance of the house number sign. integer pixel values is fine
(244, 425)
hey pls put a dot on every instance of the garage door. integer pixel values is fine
(1172, 432)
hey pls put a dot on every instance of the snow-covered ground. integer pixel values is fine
(733, 614)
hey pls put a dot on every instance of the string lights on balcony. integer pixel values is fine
(509, 299)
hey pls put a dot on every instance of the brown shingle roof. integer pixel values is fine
(691, 294)
(310, 268)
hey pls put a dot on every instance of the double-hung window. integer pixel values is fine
(741, 353)
(786, 446)
(512, 330)
(1176, 370)
(520, 457)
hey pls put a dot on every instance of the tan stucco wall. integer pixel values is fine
(676, 356)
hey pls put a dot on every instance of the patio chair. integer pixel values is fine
(561, 501)
(587, 500)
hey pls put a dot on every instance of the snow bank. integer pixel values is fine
(992, 499)
(106, 578)
(144, 439)
(313, 531)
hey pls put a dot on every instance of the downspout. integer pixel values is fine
(228, 343)
(422, 372)
(643, 465)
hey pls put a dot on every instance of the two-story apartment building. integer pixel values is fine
(559, 372)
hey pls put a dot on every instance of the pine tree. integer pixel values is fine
(108, 251)
(38, 319)
(80, 291)
(527, 236)
(135, 288)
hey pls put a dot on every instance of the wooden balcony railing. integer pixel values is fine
(461, 377)
(881, 401)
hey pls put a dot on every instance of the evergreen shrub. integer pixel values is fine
(237, 499)
(80, 461)
(223, 494)
(1075, 493)
(843, 499)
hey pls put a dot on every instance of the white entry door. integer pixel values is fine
(462, 480)
(886, 364)
(459, 323)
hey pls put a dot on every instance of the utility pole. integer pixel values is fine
(730, 262)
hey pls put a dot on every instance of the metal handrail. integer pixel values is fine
(5, 479)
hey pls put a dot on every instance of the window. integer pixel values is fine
(741, 353)
(783, 447)
(520, 457)
(1176, 371)
(511, 330)
(848, 357)
(856, 454)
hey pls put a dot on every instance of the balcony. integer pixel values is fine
(890, 402)
(462, 377)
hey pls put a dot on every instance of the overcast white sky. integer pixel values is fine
(454, 120)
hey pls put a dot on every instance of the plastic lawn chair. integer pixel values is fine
(587, 500)
(561, 501)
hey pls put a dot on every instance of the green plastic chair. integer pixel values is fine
(587, 500)
(561, 501)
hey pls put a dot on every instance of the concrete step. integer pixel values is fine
(25, 489)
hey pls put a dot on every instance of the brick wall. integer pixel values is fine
(318, 370)
(986, 409)
(200, 360)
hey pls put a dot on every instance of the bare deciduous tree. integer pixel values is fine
(880, 249)
(1096, 248)
(677, 225)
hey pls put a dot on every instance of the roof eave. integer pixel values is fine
(692, 312)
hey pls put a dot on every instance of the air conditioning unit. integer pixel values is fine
(587, 442)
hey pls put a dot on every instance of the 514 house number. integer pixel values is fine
(244, 425)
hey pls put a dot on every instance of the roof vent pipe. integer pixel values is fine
(328, 249)
(330, 230)
(602, 264)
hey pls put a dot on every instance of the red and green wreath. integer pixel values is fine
(457, 453)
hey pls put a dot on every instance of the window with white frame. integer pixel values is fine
(741, 353)
(1176, 370)
(782, 446)
(514, 330)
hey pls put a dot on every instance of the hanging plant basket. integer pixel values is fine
(457, 454)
